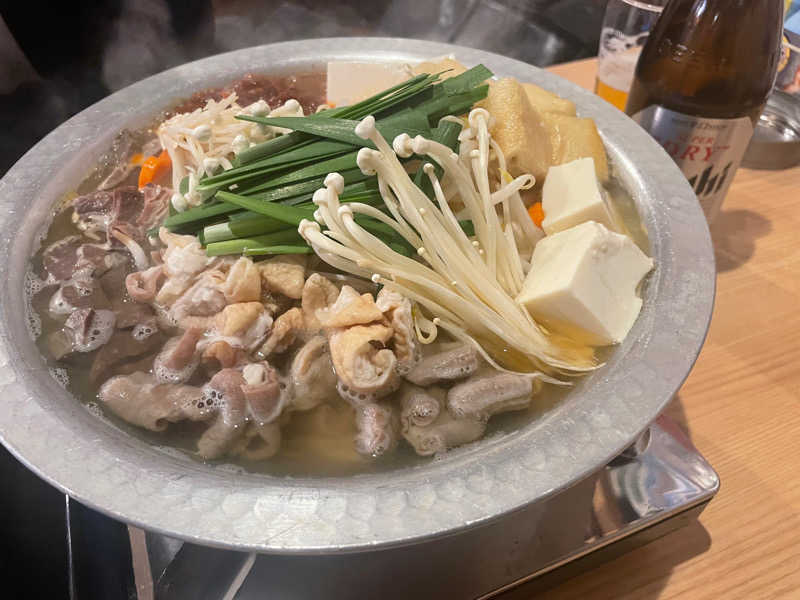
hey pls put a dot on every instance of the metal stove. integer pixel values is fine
(656, 486)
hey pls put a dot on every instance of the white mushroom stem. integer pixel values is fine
(467, 284)
(139, 256)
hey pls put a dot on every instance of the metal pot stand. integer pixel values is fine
(658, 485)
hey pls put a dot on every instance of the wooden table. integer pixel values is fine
(741, 407)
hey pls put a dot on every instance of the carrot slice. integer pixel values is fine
(154, 168)
(536, 213)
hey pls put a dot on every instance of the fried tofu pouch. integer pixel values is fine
(537, 129)
(572, 138)
(548, 102)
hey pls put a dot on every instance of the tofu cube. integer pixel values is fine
(571, 195)
(583, 283)
(350, 82)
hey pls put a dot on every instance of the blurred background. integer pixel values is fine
(54, 62)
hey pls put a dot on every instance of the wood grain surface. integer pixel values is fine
(741, 407)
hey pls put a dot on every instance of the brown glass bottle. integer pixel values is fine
(701, 83)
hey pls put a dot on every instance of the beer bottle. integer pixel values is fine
(700, 84)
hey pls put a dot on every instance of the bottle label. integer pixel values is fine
(708, 151)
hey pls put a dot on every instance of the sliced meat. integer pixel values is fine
(447, 365)
(178, 360)
(218, 355)
(486, 394)
(64, 258)
(364, 366)
(205, 298)
(143, 285)
(378, 427)
(284, 274)
(131, 314)
(311, 373)
(84, 330)
(183, 255)
(113, 281)
(89, 329)
(155, 205)
(174, 287)
(120, 157)
(397, 310)
(264, 391)
(81, 291)
(318, 292)
(141, 400)
(93, 213)
(221, 355)
(444, 433)
(101, 259)
(350, 308)
(285, 330)
(419, 406)
(243, 325)
(120, 348)
(223, 394)
(118, 219)
(61, 257)
(128, 206)
(122, 234)
(243, 283)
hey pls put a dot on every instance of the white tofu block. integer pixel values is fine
(571, 195)
(583, 283)
(351, 82)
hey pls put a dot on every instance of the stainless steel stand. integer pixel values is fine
(660, 484)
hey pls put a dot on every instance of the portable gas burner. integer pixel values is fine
(659, 484)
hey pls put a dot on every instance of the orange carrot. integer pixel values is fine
(154, 168)
(536, 213)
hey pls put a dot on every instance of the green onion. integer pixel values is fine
(270, 147)
(248, 223)
(340, 130)
(318, 169)
(467, 80)
(237, 246)
(255, 208)
(303, 189)
(197, 216)
(446, 133)
(241, 228)
(291, 215)
(385, 99)
(265, 250)
(303, 153)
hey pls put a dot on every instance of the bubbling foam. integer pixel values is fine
(166, 375)
(142, 331)
(213, 398)
(60, 375)
(353, 397)
(32, 285)
(101, 328)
